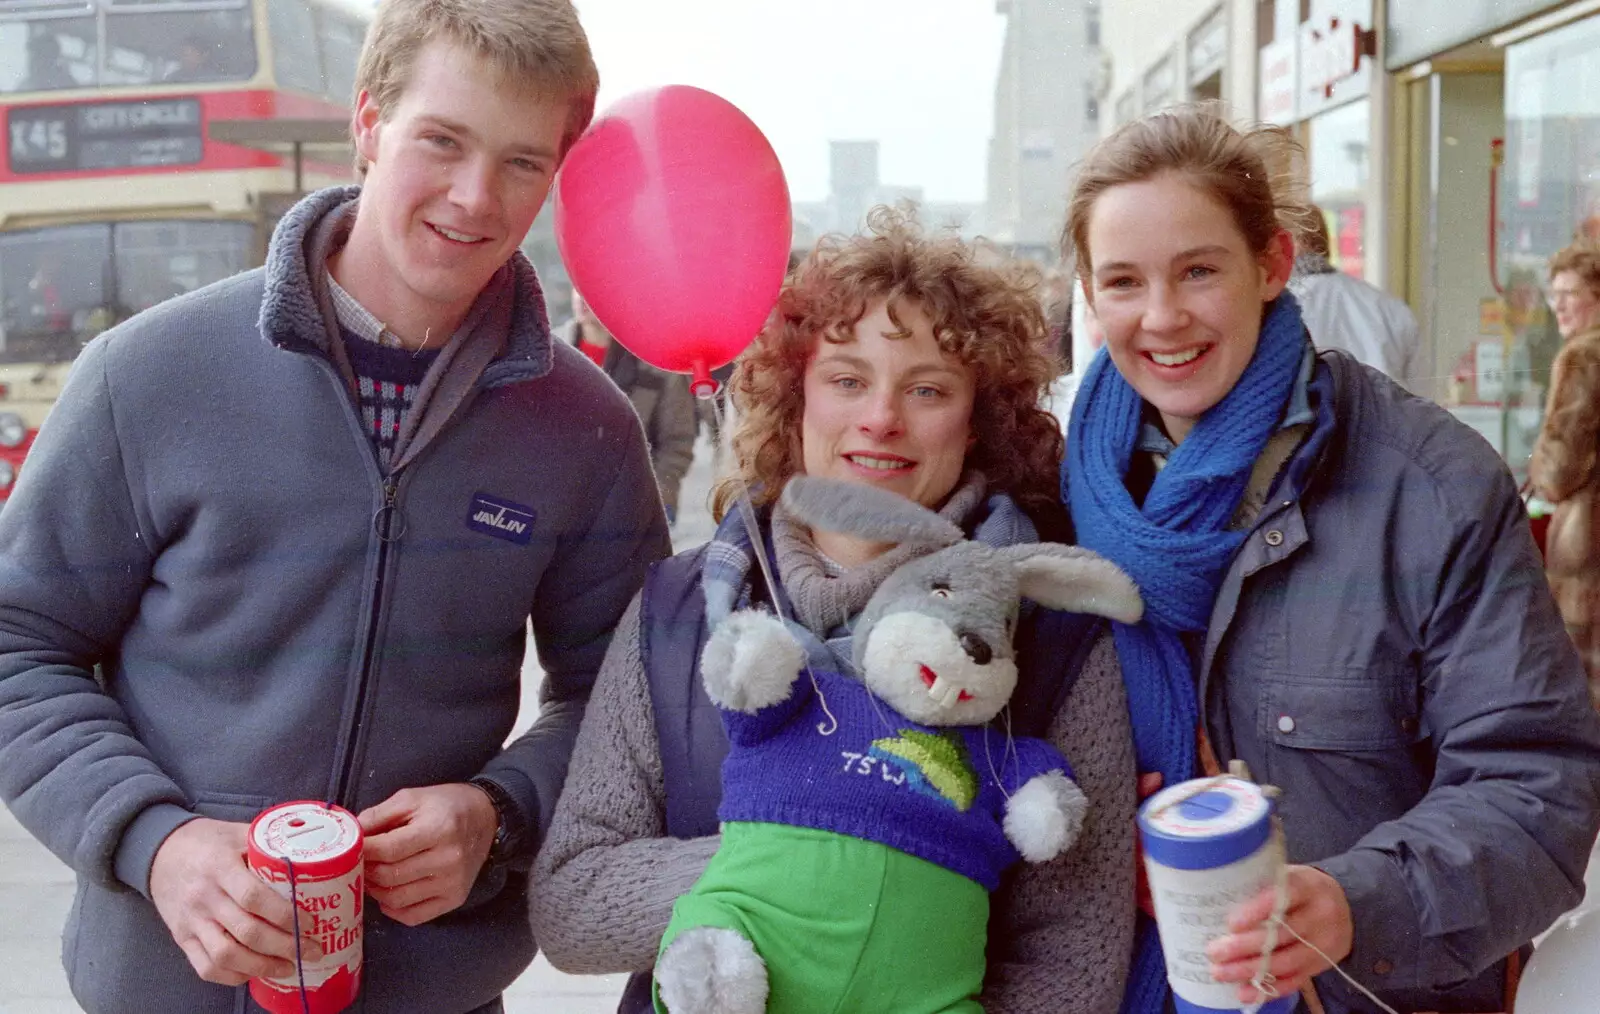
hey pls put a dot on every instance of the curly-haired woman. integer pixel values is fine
(1563, 467)
(915, 363)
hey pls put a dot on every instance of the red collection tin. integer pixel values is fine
(323, 845)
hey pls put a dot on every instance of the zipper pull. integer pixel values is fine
(388, 521)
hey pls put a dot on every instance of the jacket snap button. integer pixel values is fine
(1285, 723)
(1274, 538)
(1408, 726)
(1383, 966)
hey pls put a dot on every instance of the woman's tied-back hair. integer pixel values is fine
(534, 44)
(1313, 237)
(985, 312)
(1583, 259)
(1255, 173)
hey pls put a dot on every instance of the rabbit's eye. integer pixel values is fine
(941, 591)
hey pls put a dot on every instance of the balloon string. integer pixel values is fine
(1343, 974)
(1264, 981)
(758, 545)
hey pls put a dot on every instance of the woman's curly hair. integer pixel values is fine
(985, 311)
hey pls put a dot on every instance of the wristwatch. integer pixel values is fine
(510, 827)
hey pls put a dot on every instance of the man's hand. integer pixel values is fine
(425, 847)
(230, 925)
(1318, 911)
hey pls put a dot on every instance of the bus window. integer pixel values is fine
(52, 292)
(172, 44)
(159, 260)
(46, 54)
(295, 61)
(341, 43)
(44, 47)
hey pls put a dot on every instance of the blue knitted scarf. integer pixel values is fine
(1176, 548)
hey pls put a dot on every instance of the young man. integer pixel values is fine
(281, 539)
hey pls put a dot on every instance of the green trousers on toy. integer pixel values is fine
(845, 926)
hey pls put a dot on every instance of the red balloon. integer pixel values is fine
(673, 219)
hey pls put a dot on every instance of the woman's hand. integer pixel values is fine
(1318, 911)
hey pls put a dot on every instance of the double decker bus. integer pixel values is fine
(148, 148)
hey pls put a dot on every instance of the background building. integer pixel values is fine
(855, 188)
(1158, 52)
(1046, 116)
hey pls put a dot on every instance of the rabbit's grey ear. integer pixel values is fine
(1074, 580)
(855, 508)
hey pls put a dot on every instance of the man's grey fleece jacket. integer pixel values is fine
(199, 518)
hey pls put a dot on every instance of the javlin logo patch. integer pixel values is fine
(500, 518)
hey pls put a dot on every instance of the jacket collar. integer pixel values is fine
(291, 314)
(1326, 396)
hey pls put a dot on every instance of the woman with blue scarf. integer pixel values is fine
(1341, 590)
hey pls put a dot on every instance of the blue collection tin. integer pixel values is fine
(1208, 846)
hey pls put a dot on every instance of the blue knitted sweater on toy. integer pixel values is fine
(936, 793)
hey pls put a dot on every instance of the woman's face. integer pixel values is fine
(1179, 293)
(1576, 304)
(894, 412)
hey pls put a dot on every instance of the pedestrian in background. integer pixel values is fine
(914, 364)
(1340, 588)
(660, 399)
(1344, 312)
(281, 539)
(1564, 466)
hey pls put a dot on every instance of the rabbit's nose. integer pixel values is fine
(976, 648)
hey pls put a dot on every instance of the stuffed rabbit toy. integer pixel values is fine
(866, 820)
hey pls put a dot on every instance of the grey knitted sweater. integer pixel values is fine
(1061, 932)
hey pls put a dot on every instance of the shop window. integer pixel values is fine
(1340, 167)
(1549, 186)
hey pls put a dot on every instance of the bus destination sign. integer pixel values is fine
(104, 135)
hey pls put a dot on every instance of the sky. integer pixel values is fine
(916, 75)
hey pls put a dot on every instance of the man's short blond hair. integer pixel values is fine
(533, 44)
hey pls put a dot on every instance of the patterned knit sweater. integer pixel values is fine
(1061, 933)
(938, 794)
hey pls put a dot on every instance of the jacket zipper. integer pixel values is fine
(384, 522)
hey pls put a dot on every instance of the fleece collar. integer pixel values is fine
(291, 318)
